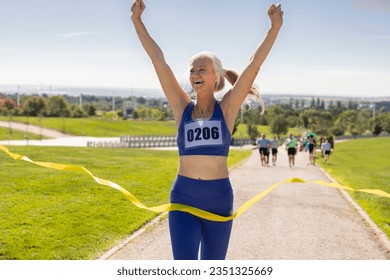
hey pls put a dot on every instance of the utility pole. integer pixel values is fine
(242, 113)
(17, 97)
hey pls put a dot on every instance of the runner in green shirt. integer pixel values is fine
(291, 146)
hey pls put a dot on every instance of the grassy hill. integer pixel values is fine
(364, 164)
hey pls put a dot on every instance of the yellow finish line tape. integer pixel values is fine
(181, 207)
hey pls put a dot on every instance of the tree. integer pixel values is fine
(236, 123)
(309, 118)
(142, 112)
(90, 108)
(274, 111)
(58, 107)
(141, 100)
(322, 106)
(312, 103)
(347, 121)
(302, 104)
(76, 111)
(337, 109)
(252, 131)
(157, 114)
(253, 116)
(352, 105)
(376, 128)
(7, 103)
(386, 122)
(337, 130)
(279, 126)
(331, 106)
(383, 121)
(363, 122)
(35, 106)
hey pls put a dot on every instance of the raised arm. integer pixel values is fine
(233, 99)
(176, 96)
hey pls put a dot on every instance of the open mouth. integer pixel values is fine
(197, 82)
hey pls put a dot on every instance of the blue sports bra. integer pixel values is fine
(203, 137)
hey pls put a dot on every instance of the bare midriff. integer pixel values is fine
(203, 167)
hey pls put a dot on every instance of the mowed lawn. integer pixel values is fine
(5, 135)
(365, 164)
(101, 127)
(105, 127)
(49, 214)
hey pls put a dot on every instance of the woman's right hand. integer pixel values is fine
(137, 9)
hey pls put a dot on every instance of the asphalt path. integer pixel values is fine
(57, 138)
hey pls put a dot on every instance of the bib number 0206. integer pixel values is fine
(204, 133)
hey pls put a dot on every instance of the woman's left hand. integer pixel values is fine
(275, 14)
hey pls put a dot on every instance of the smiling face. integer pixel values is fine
(202, 75)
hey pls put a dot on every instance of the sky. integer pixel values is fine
(335, 48)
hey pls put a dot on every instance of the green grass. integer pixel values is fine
(101, 127)
(49, 214)
(364, 164)
(17, 135)
(243, 133)
(104, 127)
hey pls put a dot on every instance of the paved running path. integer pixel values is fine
(294, 222)
(57, 138)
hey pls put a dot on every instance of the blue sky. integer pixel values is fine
(339, 48)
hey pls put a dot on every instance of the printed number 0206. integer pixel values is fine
(204, 133)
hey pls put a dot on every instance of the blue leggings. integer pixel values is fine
(187, 231)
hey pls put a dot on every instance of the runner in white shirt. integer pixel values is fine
(274, 146)
(326, 147)
(264, 145)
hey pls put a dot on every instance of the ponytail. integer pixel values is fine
(254, 91)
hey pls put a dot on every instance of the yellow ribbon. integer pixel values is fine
(181, 207)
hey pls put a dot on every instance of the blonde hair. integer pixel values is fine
(217, 66)
(254, 92)
(230, 75)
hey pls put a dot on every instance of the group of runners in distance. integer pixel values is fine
(292, 145)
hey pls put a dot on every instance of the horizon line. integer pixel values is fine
(40, 89)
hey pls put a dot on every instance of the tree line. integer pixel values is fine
(334, 118)
(84, 106)
(325, 118)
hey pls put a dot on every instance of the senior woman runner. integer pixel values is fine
(204, 130)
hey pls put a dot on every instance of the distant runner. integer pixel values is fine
(274, 146)
(326, 147)
(264, 145)
(291, 146)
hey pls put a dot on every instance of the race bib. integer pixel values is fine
(202, 133)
